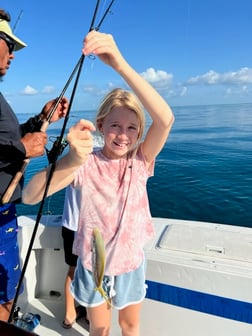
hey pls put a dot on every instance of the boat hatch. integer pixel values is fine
(208, 239)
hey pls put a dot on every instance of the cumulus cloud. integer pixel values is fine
(31, 91)
(159, 78)
(211, 77)
(239, 77)
(242, 76)
(28, 90)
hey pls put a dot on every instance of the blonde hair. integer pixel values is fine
(117, 98)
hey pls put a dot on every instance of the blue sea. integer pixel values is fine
(203, 173)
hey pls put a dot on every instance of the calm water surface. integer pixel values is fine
(204, 172)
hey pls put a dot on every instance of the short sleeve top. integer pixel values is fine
(114, 199)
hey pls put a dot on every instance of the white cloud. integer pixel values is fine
(28, 90)
(241, 76)
(236, 84)
(159, 78)
(210, 77)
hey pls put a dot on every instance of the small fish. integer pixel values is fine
(99, 262)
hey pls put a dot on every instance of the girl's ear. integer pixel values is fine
(99, 125)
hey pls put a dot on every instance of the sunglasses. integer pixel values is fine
(10, 43)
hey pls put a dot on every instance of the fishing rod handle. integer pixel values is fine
(44, 125)
(12, 186)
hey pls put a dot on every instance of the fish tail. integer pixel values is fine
(104, 295)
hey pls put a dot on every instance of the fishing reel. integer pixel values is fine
(56, 150)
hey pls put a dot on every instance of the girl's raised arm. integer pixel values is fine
(104, 46)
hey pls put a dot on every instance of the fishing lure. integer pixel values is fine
(98, 263)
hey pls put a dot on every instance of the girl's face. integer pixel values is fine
(120, 130)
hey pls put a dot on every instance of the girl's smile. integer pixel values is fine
(120, 130)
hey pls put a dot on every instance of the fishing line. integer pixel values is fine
(17, 21)
(77, 68)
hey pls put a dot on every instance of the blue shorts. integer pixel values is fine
(124, 290)
(9, 253)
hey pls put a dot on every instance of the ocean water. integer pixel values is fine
(203, 173)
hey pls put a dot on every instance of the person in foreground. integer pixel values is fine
(17, 142)
(112, 182)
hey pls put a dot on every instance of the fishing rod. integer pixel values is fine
(14, 182)
(59, 143)
(53, 165)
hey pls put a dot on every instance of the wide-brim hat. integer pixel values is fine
(6, 29)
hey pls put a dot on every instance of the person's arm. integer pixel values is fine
(80, 145)
(158, 109)
(104, 46)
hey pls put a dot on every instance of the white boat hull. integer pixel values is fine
(199, 279)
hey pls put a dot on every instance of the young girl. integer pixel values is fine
(112, 182)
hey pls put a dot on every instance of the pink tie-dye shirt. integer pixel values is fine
(114, 199)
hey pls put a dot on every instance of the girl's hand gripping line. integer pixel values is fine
(80, 145)
(80, 141)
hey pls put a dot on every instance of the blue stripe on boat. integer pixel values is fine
(202, 302)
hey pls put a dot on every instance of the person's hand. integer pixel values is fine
(103, 46)
(34, 143)
(80, 141)
(60, 111)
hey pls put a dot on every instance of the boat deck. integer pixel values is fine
(166, 320)
(52, 314)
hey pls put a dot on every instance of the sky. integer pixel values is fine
(194, 52)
